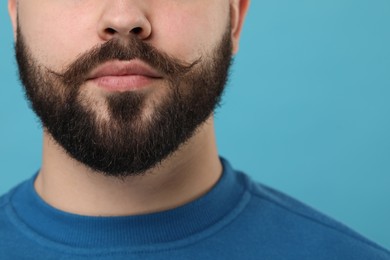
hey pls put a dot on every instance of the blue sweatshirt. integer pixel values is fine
(237, 219)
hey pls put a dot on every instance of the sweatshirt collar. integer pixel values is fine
(161, 227)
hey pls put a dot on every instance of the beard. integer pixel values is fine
(113, 134)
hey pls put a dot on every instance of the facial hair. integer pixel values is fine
(119, 140)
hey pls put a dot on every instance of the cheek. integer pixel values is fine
(190, 32)
(55, 35)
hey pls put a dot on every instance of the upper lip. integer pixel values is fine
(124, 68)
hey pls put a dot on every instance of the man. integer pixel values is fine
(125, 91)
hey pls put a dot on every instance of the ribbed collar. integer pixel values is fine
(138, 230)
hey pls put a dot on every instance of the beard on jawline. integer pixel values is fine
(124, 143)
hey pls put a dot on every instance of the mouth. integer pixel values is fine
(120, 76)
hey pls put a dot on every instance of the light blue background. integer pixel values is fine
(306, 110)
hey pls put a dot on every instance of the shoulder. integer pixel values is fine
(7, 231)
(5, 200)
(292, 225)
(5, 204)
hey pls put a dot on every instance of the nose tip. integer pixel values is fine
(122, 22)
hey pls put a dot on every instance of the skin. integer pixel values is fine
(184, 29)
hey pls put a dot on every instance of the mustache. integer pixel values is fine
(76, 73)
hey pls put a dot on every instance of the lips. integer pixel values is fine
(123, 75)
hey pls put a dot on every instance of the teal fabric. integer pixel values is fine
(237, 219)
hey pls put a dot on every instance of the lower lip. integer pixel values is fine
(123, 83)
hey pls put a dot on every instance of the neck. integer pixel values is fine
(186, 175)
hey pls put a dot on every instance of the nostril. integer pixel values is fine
(136, 30)
(110, 31)
(113, 32)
